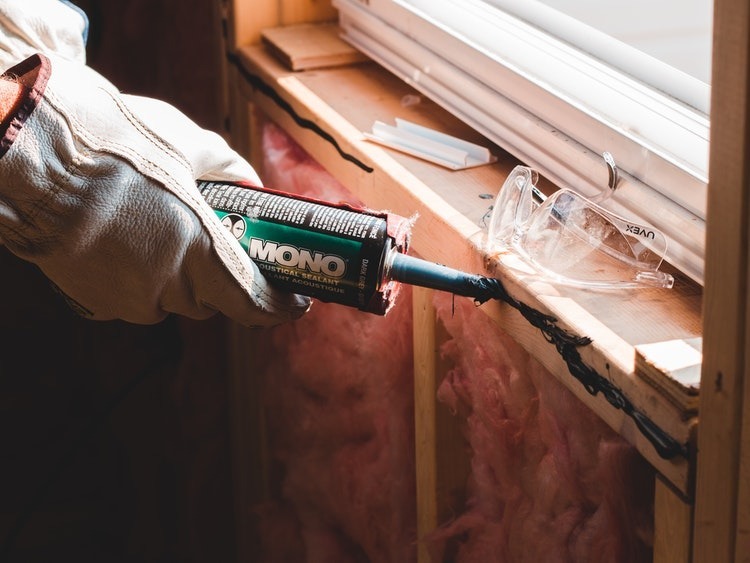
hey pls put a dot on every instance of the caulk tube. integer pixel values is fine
(335, 253)
(332, 252)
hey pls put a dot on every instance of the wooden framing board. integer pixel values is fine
(442, 463)
(722, 503)
(241, 23)
(672, 526)
(245, 20)
(425, 423)
(329, 111)
(310, 46)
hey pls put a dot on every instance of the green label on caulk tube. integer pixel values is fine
(322, 251)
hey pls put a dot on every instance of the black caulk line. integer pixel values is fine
(258, 84)
(415, 271)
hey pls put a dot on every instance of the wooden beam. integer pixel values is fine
(723, 408)
(242, 23)
(246, 18)
(304, 11)
(425, 436)
(442, 463)
(672, 525)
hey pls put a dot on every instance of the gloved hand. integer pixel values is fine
(98, 189)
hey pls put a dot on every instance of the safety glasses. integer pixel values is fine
(571, 240)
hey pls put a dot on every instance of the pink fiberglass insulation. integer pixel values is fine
(338, 395)
(550, 481)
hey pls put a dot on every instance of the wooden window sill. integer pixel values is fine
(327, 110)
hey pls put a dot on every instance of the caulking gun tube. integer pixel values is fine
(335, 253)
(332, 252)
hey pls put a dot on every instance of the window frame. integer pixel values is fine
(537, 120)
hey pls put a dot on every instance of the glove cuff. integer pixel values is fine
(32, 74)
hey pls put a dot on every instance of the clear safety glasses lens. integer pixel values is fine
(573, 241)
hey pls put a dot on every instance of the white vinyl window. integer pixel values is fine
(559, 82)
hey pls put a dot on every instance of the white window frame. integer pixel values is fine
(552, 106)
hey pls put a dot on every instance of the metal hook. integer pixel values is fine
(614, 179)
(609, 160)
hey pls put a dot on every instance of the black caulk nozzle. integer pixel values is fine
(415, 271)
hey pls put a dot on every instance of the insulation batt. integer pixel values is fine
(548, 481)
(339, 401)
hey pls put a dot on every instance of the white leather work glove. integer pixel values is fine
(98, 189)
(53, 27)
